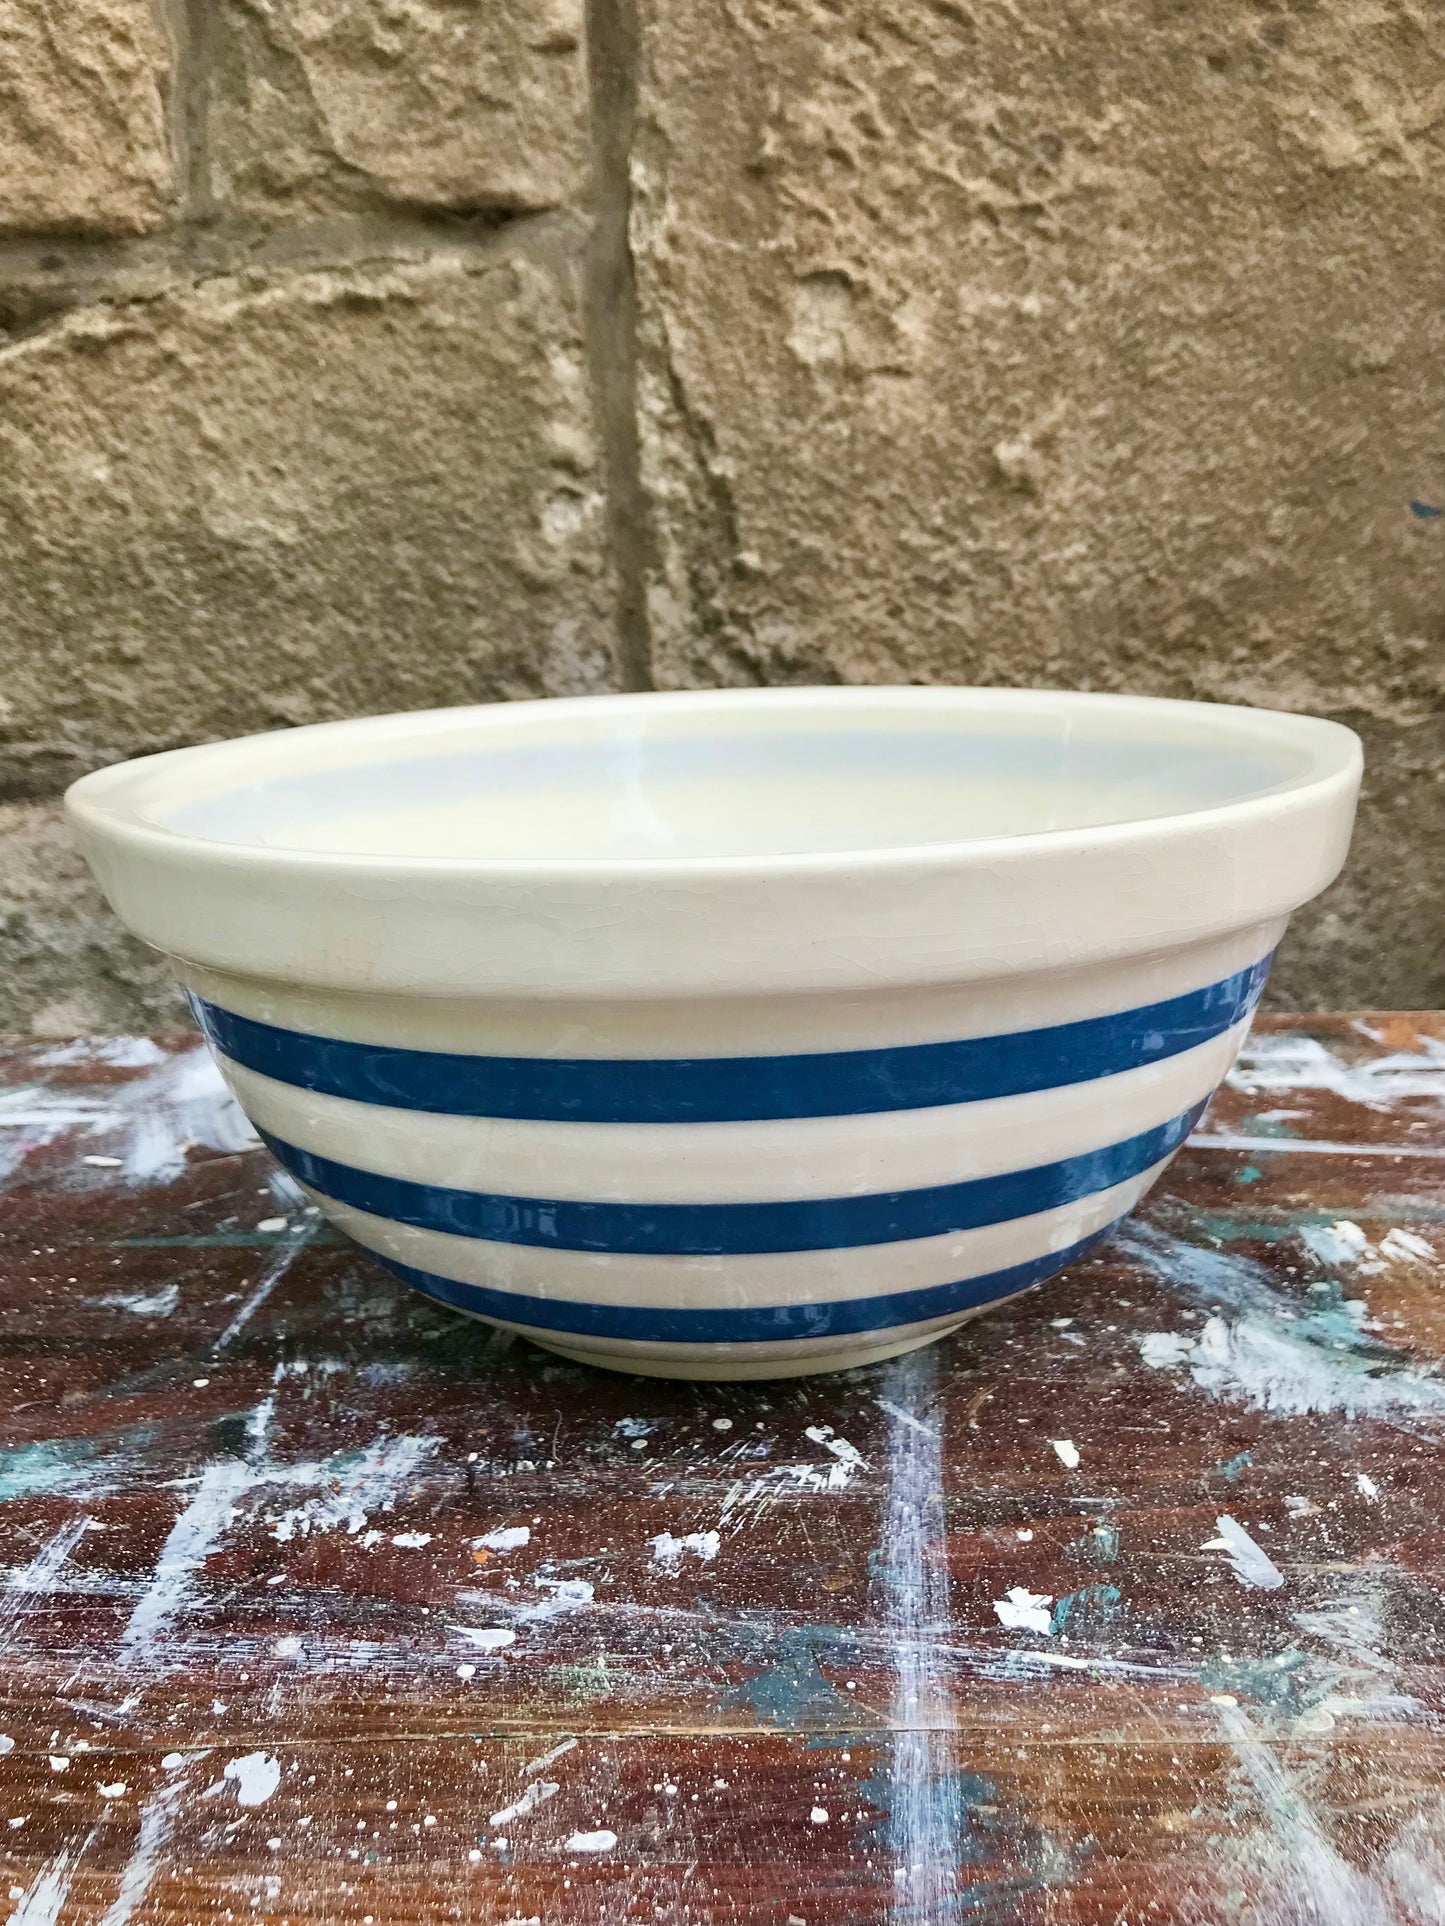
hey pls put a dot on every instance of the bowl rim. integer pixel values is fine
(856, 921)
(101, 804)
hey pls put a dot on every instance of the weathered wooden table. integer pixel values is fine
(1124, 1605)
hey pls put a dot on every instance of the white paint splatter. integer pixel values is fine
(412, 1540)
(923, 1827)
(562, 1595)
(849, 1458)
(1025, 1611)
(905, 1417)
(1342, 1242)
(37, 1579)
(1366, 1486)
(113, 1053)
(548, 1758)
(1413, 1871)
(1314, 1881)
(819, 1816)
(1404, 1247)
(535, 1795)
(1252, 1564)
(156, 1820)
(1353, 1630)
(149, 1124)
(1165, 1348)
(280, 1261)
(255, 1776)
(363, 1481)
(1276, 1368)
(602, 1841)
(668, 1552)
(1067, 1452)
(191, 1539)
(1291, 1062)
(1261, 1348)
(144, 1303)
(487, 1638)
(183, 1105)
(509, 1538)
(357, 1482)
(45, 1896)
(1311, 1146)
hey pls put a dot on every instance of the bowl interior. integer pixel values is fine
(737, 774)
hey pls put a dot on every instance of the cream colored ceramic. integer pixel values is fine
(732, 1034)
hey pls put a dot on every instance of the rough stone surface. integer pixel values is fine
(319, 104)
(1374, 939)
(1094, 345)
(278, 498)
(66, 965)
(84, 142)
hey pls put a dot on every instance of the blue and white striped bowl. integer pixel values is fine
(692, 1034)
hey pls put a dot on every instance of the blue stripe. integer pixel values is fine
(756, 1325)
(837, 1083)
(729, 1230)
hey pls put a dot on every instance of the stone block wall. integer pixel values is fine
(367, 354)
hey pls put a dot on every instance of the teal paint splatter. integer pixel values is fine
(1281, 1227)
(988, 1831)
(1276, 1349)
(1094, 1605)
(1257, 1126)
(1233, 1467)
(34, 1470)
(1327, 1318)
(967, 1805)
(1334, 1320)
(793, 1692)
(1270, 1681)
(1248, 1174)
(1100, 1544)
(1235, 1227)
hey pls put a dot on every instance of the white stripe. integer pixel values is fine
(759, 1161)
(742, 1026)
(757, 1358)
(738, 1281)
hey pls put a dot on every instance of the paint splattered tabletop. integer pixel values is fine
(1123, 1605)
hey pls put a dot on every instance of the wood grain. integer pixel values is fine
(732, 1653)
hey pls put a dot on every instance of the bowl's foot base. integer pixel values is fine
(724, 1369)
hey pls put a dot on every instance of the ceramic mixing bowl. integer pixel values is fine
(733, 1034)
